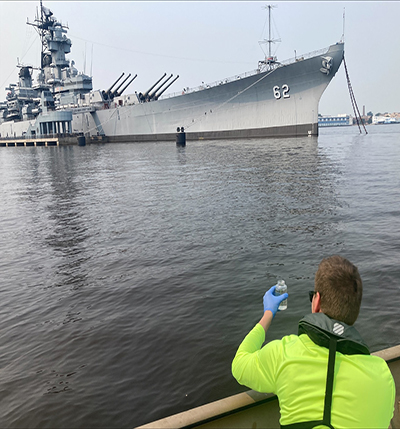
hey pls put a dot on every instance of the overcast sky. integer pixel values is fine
(209, 41)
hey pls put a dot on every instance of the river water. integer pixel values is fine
(131, 272)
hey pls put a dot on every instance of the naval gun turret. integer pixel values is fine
(152, 93)
(124, 88)
(157, 96)
(144, 97)
(107, 94)
(115, 92)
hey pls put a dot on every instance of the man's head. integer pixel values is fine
(340, 289)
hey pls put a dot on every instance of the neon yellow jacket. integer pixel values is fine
(294, 368)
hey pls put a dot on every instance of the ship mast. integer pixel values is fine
(269, 59)
(40, 28)
(41, 34)
(54, 46)
(269, 31)
(270, 40)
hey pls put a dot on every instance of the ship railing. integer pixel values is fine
(298, 58)
(202, 87)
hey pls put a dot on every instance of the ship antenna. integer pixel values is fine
(84, 61)
(270, 40)
(41, 34)
(40, 26)
(344, 13)
(91, 62)
(269, 30)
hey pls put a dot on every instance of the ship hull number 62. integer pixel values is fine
(281, 92)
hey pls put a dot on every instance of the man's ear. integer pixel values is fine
(317, 303)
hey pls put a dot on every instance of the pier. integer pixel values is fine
(47, 141)
(15, 142)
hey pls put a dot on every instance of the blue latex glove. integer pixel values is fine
(271, 302)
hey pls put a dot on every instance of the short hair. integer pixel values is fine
(339, 284)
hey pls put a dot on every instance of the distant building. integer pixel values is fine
(335, 121)
(392, 118)
(366, 119)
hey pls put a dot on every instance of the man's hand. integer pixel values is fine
(271, 302)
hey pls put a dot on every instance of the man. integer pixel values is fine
(325, 375)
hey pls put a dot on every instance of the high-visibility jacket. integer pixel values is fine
(295, 369)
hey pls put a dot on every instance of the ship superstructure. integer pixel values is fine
(33, 108)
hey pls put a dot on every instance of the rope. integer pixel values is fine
(353, 100)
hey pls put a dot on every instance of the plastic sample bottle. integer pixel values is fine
(281, 288)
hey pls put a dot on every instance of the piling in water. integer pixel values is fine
(180, 137)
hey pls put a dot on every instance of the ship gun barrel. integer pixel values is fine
(144, 96)
(151, 94)
(123, 89)
(156, 97)
(115, 92)
(112, 86)
(108, 94)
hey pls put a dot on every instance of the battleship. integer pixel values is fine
(277, 99)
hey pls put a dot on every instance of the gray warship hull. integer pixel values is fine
(282, 101)
(275, 100)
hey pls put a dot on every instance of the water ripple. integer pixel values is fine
(130, 273)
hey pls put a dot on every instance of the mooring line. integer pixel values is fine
(353, 100)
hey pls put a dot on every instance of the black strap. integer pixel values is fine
(329, 381)
(326, 421)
